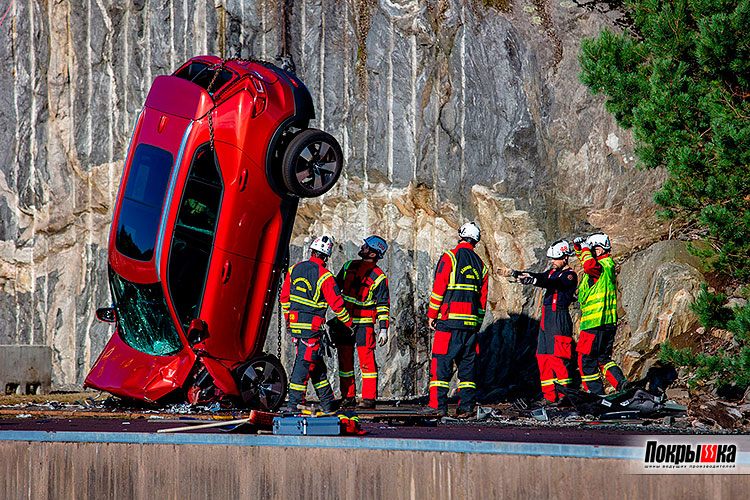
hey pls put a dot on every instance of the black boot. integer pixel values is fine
(430, 411)
(348, 402)
(466, 411)
(367, 404)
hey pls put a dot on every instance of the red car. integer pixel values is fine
(219, 157)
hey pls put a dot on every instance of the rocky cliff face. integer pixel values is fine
(446, 110)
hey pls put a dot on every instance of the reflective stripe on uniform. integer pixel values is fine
(369, 374)
(321, 384)
(467, 385)
(297, 387)
(549, 381)
(469, 288)
(343, 315)
(440, 383)
(563, 381)
(454, 268)
(609, 365)
(589, 378)
(346, 374)
(356, 302)
(302, 300)
(464, 317)
(383, 312)
(319, 285)
(378, 280)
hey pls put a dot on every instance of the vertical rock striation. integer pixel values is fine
(446, 111)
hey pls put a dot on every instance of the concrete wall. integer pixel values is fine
(25, 369)
(73, 470)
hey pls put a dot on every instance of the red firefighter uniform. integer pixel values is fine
(597, 294)
(309, 288)
(458, 301)
(365, 290)
(554, 346)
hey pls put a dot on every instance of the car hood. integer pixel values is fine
(126, 372)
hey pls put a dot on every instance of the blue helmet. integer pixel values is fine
(377, 244)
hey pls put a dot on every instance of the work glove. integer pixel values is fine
(578, 242)
(515, 273)
(528, 280)
(383, 336)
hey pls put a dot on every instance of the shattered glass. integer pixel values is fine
(143, 317)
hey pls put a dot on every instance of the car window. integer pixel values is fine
(202, 74)
(141, 206)
(143, 317)
(193, 237)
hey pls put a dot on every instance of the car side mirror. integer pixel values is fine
(106, 314)
(197, 332)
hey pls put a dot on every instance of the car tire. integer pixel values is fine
(312, 163)
(263, 383)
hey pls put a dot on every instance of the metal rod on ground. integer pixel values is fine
(206, 426)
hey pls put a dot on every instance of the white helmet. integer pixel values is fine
(323, 244)
(470, 231)
(598, 240)
(559, 249)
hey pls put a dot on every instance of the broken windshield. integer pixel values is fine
(143, 316)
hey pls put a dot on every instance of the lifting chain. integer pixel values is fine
(218, 67)
(284, 270)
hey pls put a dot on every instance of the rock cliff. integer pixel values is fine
(446, 111)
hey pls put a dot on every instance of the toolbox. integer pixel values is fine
(306, 426)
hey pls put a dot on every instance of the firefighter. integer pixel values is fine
(309, 289)
(365, 290)
(597, 293)
(456, 311)
(554, 346)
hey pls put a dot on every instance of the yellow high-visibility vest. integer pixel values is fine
(599, 302)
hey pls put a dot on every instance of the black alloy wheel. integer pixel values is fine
(312, 163)
(263, 383)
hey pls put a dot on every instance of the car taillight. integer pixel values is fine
(162, 123)
(242, 180)
(259, 102)
(226, 271)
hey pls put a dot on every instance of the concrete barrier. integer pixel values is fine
(25, 369)
(128, 466)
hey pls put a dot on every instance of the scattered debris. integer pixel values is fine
(718, 413)
(540, 414)
(483, 412)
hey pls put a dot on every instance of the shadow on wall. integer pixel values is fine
(507, 367)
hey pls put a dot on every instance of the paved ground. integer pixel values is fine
(92, 412)
(446, 431)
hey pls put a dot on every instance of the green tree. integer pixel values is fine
(680, 79)
(727, 366)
